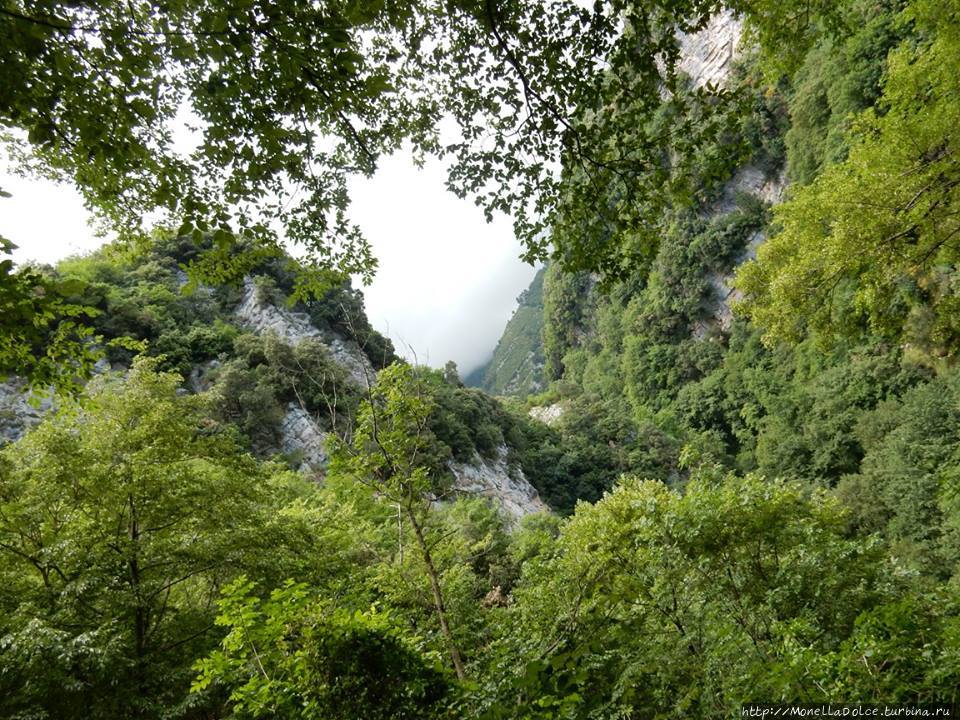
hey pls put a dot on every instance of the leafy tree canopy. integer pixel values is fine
(120, 519)
(290, 99)
(872, 243)
(669, 604)
(574, 121)
(291, 657)
(43, 329)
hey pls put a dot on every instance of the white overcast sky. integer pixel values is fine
(447, 281)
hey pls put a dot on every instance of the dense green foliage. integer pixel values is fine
(147, 296)
(678, 605)
(559, 111)
(44, 329)
(838, 79)
(654, 600)
(871, 244)
(142, 304)
(858, 415)
(323, 663)
(115, 543)
(734, 519)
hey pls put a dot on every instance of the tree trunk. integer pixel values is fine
(437, 596)
(140, 612)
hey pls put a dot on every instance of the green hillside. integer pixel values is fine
(516, 367)
(735, 384)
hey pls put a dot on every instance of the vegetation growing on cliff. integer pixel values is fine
(750, 508)
(516, 367)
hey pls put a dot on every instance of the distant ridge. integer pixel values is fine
(516, 367)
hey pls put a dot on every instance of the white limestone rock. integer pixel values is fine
(294, 327)
(725, 294)
(707, 56)
(20, 409)
(547, 414)
(512, 493)
(301, 435)
(719, 312)
(752, 181)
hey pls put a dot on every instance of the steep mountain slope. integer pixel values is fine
(709, 56)
(666, 377)
(761, 514)
(516, 367)
(288, 376)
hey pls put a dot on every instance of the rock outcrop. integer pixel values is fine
(547, 414)
(293, 327)
(494, 479)
(750, 180)
(302, 437)
(707, 56)
(19, 409)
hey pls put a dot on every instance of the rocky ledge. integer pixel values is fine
(293, 327)
(495, 480)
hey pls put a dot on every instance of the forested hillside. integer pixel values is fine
(728, 469)
(516, 367)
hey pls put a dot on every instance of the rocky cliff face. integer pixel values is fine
(302, 438)
(708, 57)
(506, 487)
(299, 433)
(262, 316)
(750, 180)
(21, 409)
(547, 414)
